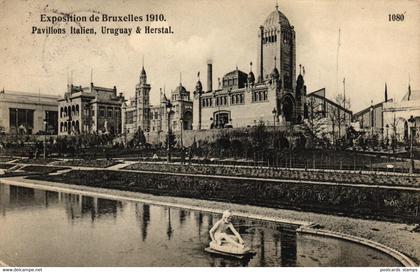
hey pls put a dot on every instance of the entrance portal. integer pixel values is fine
(288, 107)
(221, 119)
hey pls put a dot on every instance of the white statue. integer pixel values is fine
(223, 242)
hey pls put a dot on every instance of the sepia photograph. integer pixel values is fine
(209, 133)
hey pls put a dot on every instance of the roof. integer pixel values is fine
(235, 72)
(320, 92)
(329, 101)
(275, 18)
(27, 97)
(415, 95)
(366, 110)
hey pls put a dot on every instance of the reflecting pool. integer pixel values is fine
(46, 228)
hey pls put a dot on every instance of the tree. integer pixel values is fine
(260, 137)
(394, 127)
(138, 139)
(316, 125)
(337, 115)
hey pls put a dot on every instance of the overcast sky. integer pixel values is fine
(373, 50)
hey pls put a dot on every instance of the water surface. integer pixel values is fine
(46, 228)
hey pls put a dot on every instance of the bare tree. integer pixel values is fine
(337, 115)
(394, 127)
(316, 123)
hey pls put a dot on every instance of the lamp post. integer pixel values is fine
(45, 138)
(17, 121)
(371, 118)
(182, 125)
(168, 144)
(412, 121)
(274, 112)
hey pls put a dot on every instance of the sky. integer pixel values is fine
(373, 51)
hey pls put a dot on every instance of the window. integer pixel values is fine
(101, 111)
(21, 120)
(110, 113)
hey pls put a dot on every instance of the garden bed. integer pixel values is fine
(378, 203)
(87, 163)
(282, 173)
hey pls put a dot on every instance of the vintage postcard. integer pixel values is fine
(198, 133)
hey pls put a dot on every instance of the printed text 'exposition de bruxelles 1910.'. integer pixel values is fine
(56, 28)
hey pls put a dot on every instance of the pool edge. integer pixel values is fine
(402, 258)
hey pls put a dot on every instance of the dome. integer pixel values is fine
(180, 90)
(275, 73)
(251, 77)
(275, 18)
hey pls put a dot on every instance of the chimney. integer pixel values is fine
(209, 77)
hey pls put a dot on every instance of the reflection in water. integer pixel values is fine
(182, 216)
(199, 222)
(169, 229)
(138, 234)
(288, 248)
(142, 212)
(262, 249)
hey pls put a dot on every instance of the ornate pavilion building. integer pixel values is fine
(243, 99)
(174, 112)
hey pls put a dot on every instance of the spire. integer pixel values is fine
(386, 93)
(409, 92)
(275, 61)
(344, 92)
(143, 76)
(250, 66)
(180, 78)
(277, 5)
(300, 69)
(164, 93)
(303, 70)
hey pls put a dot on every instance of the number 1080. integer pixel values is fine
(396, 17)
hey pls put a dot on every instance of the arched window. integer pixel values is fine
(77, 109)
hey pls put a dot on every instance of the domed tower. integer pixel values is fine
(143, 101)
(277, 48)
